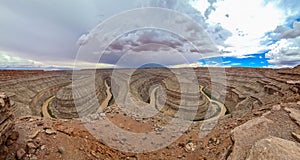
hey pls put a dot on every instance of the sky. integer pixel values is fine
(245, 33)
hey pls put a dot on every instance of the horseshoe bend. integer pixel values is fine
(82, 114)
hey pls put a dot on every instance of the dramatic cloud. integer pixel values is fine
(255, 25)
(191, 8)
(283, 42)
(50, 32)
(285, 53)
(150, 44)
(246, 21)
(292, 33)
(161, 55)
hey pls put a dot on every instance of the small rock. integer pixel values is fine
(3, 149)
(10, 156)
(43, 147)
(296, 136)
(258, 113)
(217, 142)
(190, 147)
(60, 150)
(93, 153)
(267, 113)
(31, 145)
(31, 120)
(40, 123)
(9, 142)
(33, 157)
(37, 141)
(47, 127)
(50, 131)
(181, 145)
(102, 114)
(21, 153)
(212, 140)
(14, 136)
(34, 134)
(94, 117)
(276, 107)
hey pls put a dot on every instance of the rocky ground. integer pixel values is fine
(262, 121)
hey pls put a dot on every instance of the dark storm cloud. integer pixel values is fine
(49, 30)
(149, 41)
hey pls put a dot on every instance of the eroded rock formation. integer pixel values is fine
(6, 123)
(6, 118)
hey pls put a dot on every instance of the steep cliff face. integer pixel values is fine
(6, 118)
(6, 122)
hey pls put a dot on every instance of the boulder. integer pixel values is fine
(273, 148)
(246, 135)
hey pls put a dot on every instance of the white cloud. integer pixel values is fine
(49, 30)
(246, 20)
(8, 60)
(235, 64)
(156, 53)
(45, 31)
(285, 53)
(247, 17)
(195, 10)
(289, 7)
(292, 33)
(201, 5)
(83, 40)
(226, 62)
(249, 21)
(179, 34)
(189, 65)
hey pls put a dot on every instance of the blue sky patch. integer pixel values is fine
(251, 60)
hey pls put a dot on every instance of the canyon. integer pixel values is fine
(229, 113)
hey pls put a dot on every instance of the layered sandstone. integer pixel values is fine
(6, 123)
(6, 118)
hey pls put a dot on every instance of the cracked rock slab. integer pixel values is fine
(294, 114)
(273, 148)
(247, 134)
